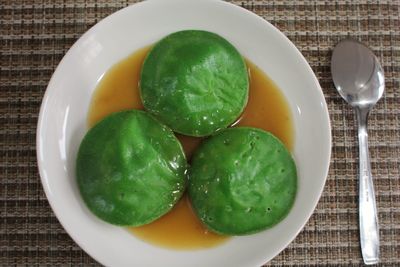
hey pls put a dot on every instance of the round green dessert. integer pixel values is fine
(242, 181)
(130, 169)
(195, 82)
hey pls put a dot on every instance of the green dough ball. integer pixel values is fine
(242, 180)
(195, 82)
(130, 169)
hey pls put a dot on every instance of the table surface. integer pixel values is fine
(35, 34)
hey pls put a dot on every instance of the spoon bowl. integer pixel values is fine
(358, 76)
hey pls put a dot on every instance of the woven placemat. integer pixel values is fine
(35, 34)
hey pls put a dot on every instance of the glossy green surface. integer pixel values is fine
(242, 180)
(130, 169)
(196, 82)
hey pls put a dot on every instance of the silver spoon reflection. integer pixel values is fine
(359, 79)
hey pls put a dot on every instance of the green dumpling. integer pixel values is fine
(242, 181)
(195, 82)
(130, 169)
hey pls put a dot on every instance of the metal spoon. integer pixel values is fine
(359, 78)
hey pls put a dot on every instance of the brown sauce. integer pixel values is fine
(266, 109)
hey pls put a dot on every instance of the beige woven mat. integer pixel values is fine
(35, 34)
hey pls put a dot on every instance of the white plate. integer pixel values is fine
(62, 124)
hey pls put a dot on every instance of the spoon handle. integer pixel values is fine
(369, 233)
